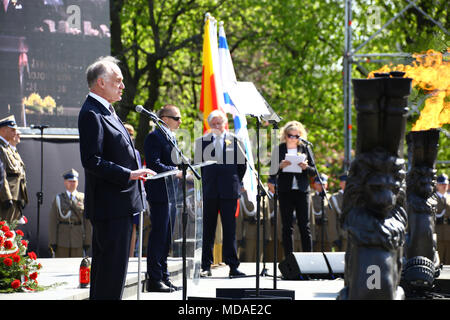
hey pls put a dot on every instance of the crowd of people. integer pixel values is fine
(104, 218)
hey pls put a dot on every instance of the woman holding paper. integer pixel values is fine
(290, 172)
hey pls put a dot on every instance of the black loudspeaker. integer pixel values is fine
(336, 262)
(312, 265)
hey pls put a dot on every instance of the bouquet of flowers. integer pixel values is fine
(18, 269)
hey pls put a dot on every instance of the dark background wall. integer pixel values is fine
(59, 156)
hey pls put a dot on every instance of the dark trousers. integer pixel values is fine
(159, 240)
(298, 201)
(227, 208)
(110, 252)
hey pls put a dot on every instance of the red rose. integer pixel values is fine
(2, 223)
(8, 262)
(5, 228)
(15, 284)
(32, 255)
(20, 233)
(9, 234)
(33, 276)
(8, 244)
(24, 243)
(16, 258)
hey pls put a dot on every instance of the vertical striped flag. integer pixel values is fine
(228, 79)
(211, 97)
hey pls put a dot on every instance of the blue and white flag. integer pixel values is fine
(228, 78)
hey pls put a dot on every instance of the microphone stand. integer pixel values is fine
(185, 163)
(323, 194)
(261, 190)
(264, 271)
(40, 194)
(275, 219)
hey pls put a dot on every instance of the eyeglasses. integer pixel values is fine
(292, 136)
(174, 118)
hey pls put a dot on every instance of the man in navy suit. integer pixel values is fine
(160, 157)
(114, 191)
(222, 183)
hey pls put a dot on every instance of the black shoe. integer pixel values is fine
(168, 283)
(158, 286)
(205, 273)
(235, 273)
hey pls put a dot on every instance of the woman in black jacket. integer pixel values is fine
(293, 187)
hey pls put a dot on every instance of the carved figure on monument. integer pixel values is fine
(422, 259)
(373, 207)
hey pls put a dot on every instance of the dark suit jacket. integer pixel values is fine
(284, 181)
(158, 153)
(108, 156)
(222, 181)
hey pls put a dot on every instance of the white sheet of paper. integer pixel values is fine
(247, 99)
(295, 160)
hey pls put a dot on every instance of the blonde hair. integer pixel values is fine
(293, 125)
(129, 128)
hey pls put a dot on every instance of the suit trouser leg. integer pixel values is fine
(304, 226)
(210, 212)
(287, 222)
(110, 254)
(228, 218)
(158, 242)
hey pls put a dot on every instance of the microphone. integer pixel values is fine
(141, 109)
(305, 141)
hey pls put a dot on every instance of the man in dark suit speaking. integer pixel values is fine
(222, 183)
(114, 191)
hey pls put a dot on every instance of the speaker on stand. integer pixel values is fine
(312, 265)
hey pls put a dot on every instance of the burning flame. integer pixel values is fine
(432, 74)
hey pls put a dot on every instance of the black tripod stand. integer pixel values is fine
(40, 193)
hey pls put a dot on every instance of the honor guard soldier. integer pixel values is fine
(13, 193)
(442, 218)
(336, 209)
(324, 232)
(69, 230)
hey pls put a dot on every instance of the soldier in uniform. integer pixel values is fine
(442, 219)
(24, 201)
(336, 209)
(327, 226)
(69, 230)
(13, 193)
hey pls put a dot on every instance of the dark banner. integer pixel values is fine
(58, 156)
(45, 47)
